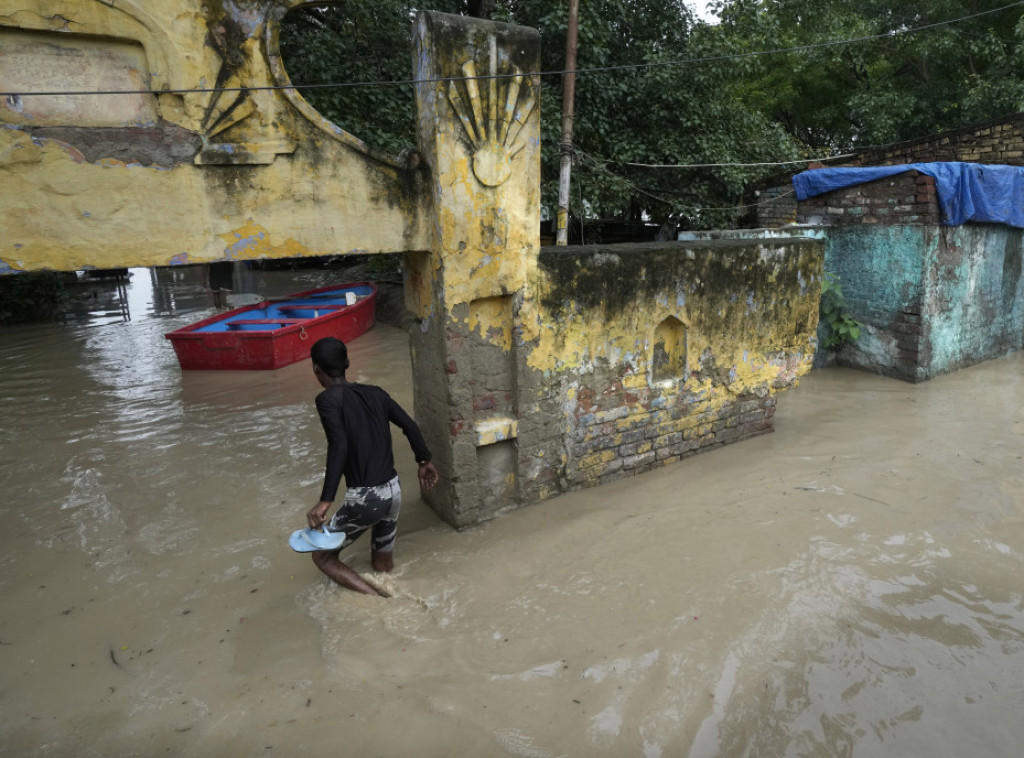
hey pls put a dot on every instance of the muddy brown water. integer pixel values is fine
(848, 586)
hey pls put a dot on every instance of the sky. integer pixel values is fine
(700, 8)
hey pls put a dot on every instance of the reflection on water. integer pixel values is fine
(848, 586)
(111, 296)
(874, 649)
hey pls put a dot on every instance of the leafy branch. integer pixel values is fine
(841, 327)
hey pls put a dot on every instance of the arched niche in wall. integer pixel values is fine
(313, 32)
(668, 351)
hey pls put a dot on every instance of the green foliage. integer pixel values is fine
(841, 328)
(881, 90)
(359, 42)
(32, 296)
(658, 115)
(355, 42)
(757, 109)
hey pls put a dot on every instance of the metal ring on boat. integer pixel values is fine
(302, 333)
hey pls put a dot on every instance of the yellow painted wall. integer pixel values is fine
(533, 371)
(263, 175)
(592, 407)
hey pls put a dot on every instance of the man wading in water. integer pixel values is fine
(356, 420)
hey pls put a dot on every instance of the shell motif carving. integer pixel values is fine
(493, 124)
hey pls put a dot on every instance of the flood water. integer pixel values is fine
(848, 586)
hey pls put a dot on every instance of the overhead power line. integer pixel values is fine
(741, 165)
(578, 71)
(696, 207)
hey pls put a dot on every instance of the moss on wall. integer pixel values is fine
(743, 315)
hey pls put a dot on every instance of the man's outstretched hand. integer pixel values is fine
(428, 475)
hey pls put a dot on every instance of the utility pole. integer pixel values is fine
(568, 99)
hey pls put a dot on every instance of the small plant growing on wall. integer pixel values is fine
(841, 327)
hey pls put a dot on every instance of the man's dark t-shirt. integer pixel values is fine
(356, 419)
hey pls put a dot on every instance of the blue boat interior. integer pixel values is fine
(278, 314)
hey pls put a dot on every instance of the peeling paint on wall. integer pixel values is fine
(253, 241)
(591, 342)
(166, 174)
(535, 372)
(541, 370)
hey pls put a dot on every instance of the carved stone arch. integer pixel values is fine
(272, 50)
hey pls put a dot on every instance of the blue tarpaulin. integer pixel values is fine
(966, 191)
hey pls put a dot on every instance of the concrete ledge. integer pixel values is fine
(495, 429)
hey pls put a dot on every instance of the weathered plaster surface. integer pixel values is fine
(933, 299)
(592, 403)
(976, 304)
(534, 372)
(543, 371)
(152, 179)
(480, 140)
(880, 269)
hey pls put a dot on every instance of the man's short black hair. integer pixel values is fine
(331, 355)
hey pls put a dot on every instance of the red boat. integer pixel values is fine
(276, 333)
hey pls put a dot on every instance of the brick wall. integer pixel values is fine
(903, 199)
(617, 433)
(881, 271)
(932, 299)
(997, 141)
(776, 206)
(650, 353)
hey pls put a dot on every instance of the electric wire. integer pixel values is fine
(741, 165)
(600, 165)
(578, 71)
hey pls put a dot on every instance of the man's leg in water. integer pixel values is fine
(328, 562)
(383, 535)
(364, 507)
(382, 561)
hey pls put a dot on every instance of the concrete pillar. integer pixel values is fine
(479, 134)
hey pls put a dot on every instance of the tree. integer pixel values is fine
(650, 112)
(884, 89)
(653, 112)
(351, 42)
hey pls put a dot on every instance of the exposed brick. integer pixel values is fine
(665, 452)
(633, 461)
(729, 435)
(485, 403)
(612, 415)
(613, 476)
(673, 438)
(751, 417)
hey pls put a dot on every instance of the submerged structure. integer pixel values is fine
(926, 240)
(536, 370)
